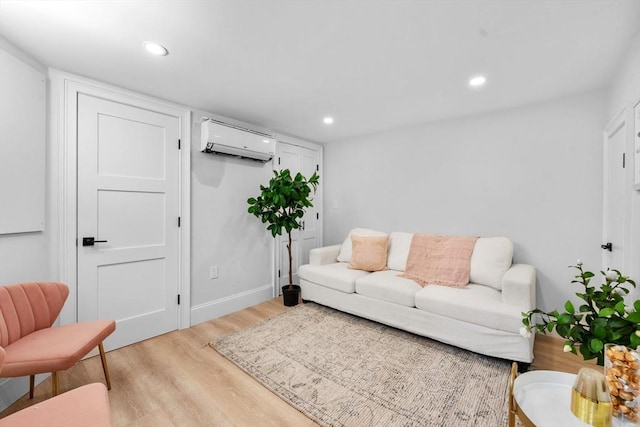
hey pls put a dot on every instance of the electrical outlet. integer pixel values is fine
(213, 272)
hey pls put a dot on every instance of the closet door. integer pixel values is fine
(616, 242)
(305, 160)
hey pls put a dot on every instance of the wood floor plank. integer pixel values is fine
(177, 379)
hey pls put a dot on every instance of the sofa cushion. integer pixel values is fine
(491, 258)
(442, 260)
(399, 245)
(388, 286)
(346, 250)
(335, 276)
(369, 253)
(478, 304)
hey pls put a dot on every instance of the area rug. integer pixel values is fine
(342, 370)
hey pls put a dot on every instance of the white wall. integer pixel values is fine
(224, 234)
(625, 85)
(533, 174)
(27, 256)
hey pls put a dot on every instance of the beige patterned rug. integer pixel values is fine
(341, 370)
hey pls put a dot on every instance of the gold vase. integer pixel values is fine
(590, 398)
(622, 372)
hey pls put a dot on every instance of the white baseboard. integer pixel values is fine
(12, 389)
(214, 309)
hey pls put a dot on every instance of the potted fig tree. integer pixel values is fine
(281, 205)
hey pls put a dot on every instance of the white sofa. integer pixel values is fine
(484, 317)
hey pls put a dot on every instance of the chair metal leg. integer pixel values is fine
(32, 383)
(105, 368)
(54, 383)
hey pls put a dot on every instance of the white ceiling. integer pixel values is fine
(373, 65)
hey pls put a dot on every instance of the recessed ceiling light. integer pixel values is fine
(155, 48)
(477, 81)
(328, 120)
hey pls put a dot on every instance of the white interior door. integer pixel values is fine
(303, 160)
(128, 197)
(615, 197)
(309, 234)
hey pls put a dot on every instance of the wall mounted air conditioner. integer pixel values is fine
(221, 138)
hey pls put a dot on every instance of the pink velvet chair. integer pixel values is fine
(84, 406)
(32, 345)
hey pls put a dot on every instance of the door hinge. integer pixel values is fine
(179, 145)
(278, 160)
(624, 160)
(317, 168)
(317, 215)
(278, 273)
(178, 299)
(178, 221)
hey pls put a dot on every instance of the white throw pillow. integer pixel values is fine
(399, 246)
(347, 250)
(491, 258)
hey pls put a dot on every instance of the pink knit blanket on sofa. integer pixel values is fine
(441, 260)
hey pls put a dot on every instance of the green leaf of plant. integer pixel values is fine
(634, 340)
(569, 307)
(600, 332)
(563, 330)
(584, 308)
(634, 317)
(617, 323)
(596, 345)
(586, 353)
(564, 319)
(606, 312)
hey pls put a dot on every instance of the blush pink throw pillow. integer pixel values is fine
(369, 253)
(440, 260)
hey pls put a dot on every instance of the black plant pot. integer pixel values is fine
(291, 296)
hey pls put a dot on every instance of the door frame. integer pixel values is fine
(318, 197)
(67, 87)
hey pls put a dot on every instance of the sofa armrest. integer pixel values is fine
(519, 286)
(324, 255)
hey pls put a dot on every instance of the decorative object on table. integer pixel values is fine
(282, 205)
(342, 370)
(601, 318)
(590, 398)
(542, 398)
(622, 370)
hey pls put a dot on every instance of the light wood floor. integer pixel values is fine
(178, 380)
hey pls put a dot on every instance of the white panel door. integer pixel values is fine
(615, 198)
(303, 160)
(128, 198)
(288, 158)
(309, 235)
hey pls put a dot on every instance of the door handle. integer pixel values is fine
(607, 246)
(90, 241)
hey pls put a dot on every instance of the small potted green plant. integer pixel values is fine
(282, 204)
(601, 318)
